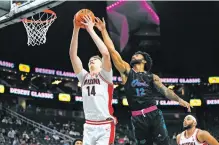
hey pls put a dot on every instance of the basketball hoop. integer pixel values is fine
(37, 27)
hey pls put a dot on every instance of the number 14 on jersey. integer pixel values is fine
(91, 90)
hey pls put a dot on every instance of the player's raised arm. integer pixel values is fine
(100, 44)
(119, 63)
(75, 60)
(169, 93)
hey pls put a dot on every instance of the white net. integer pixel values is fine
(37, 27)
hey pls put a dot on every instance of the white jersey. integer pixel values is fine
(97, 94)
(191, 140)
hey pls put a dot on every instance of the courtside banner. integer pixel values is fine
(167, 103)
(6, 64)
(212, 101)
(181, 80)
(60, 73)
(64, 97)
(158, 102)
(213, 80)
(195, 102)
(34, 94)
(2, 88)
(24, 68)
(48, 71)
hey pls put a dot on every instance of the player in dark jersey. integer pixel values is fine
(147, 119)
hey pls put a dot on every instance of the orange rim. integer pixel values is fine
(38, 21)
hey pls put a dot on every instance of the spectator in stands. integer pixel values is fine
(34, 142)
(3, 131)
(47, 138)
(72, 132)
(2, 139)
(4, 120)
(25, 135)
(37, 130)
(16, 141)
(38, 109)
(11, 134)
(126, 139)
(62, 130)
(65, 141)
(23, 142)
(121, 141)
(174, 136)
(18, 121)
(77, 142)
(50, 125)
(31, 133)
(55, 136)
(10, 120)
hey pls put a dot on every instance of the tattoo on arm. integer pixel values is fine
(164, 90)
(171, 95)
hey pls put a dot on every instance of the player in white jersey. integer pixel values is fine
(193, 135)
(97, 90)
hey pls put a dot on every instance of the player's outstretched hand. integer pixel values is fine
(89, 24)
(101, 25)
(185, 104)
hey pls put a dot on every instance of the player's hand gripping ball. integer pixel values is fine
(79, 17)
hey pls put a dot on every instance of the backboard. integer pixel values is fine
(24, 9)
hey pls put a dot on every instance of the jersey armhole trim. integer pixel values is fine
(111, 84)
(84, 79)
(178, 142)
(196, 137)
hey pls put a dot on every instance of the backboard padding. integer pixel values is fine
(5, 7)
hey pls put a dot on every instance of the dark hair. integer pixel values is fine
(76, 141)
(148, 59)
(97, 56)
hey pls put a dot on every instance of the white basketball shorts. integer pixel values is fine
(99, 133)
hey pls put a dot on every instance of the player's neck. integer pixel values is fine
(190, 132)
(95, 70)
(138, 68)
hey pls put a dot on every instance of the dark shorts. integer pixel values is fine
(150, 128)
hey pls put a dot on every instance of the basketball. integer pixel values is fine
(80, 14)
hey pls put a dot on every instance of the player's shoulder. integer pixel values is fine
(202, 135)
(106, 76)
(201, 132)
(178, 137)
(81, 71)
(105, 71)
